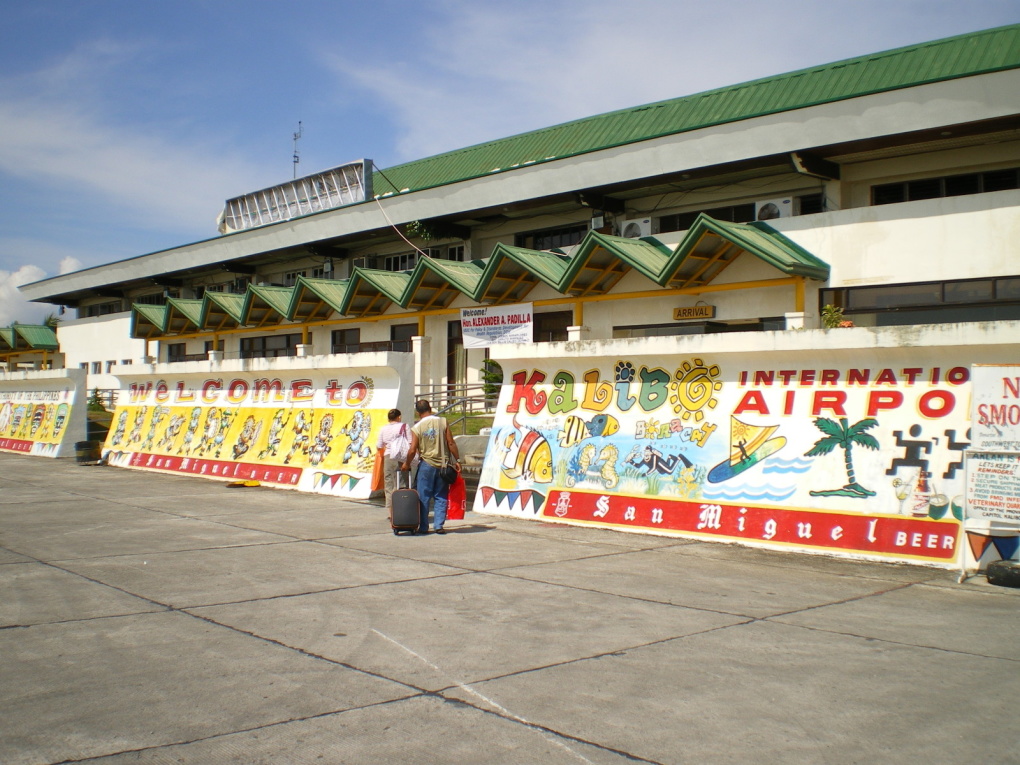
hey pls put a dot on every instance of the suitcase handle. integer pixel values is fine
(408, 474)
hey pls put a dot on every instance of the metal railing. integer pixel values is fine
(105, 396)
(458, 403)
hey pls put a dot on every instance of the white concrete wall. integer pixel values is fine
(103, 339)
(952, 238)
(50, 387)
(583, 405)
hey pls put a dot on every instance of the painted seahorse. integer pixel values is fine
(609, 453)
(579, 464)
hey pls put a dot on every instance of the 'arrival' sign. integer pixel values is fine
(694, 312)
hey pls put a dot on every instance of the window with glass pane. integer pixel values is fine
(1008, 289)
(346, 340)
(401, 334)
(975, 291)
(552, 327)
(894, 296)
(549, 239)
(269, 346)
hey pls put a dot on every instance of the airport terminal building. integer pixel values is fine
(752, 313)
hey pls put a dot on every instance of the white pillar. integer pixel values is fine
(215, 355)
(421, 346)
(796, 319)
(303, 350)
(578, 332)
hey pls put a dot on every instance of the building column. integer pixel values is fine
(579, 332)
(421, 346)
(215, 355)
(796, 319)
(303, 350)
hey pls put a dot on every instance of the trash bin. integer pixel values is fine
(88, 451)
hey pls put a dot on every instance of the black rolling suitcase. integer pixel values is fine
(404, 512)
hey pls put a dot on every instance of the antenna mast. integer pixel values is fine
(297, 156)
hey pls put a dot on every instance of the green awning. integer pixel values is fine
(148, 321)
(314, 299)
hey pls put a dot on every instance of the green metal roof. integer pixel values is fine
(372, 290)
(951, 58)
(184, 311)
(593, 268)
(648, 256)
(316, 297)
(710, 245)
(148, 320)
(37, 336)
(436, 283)
(223, 310)
(264, 303)
(548, 267)
(465, 276)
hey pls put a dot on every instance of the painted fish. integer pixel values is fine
(603, 425)
(528, 456)
(575, 430)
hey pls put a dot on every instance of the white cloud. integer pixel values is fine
(13, 305)
(69, 264)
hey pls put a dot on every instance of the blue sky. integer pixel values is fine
(125, 125)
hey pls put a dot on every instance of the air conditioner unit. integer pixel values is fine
(767, 209)
(636, 228)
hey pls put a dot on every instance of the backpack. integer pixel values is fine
(400, 445)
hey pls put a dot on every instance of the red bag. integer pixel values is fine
(456, 499)
(378, 482)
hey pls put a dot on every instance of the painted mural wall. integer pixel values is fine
(42, 413)
(857, 453)
(308, 429)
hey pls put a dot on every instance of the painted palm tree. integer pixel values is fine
(845, 436)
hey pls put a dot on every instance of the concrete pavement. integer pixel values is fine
(148, 618)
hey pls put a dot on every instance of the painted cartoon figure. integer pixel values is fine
(20, 421)
(157, 417)
(226, 418)
(357, 430)
(40, 418)
(60, 419)
(139, 423)
(189, 434)
(320, 447)
(120, 429)
(49, 420)
(301, 427)
(212, 427)
(5, 416)
(275, 434)
(654, 461)
(248, 436)
(173, 428)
